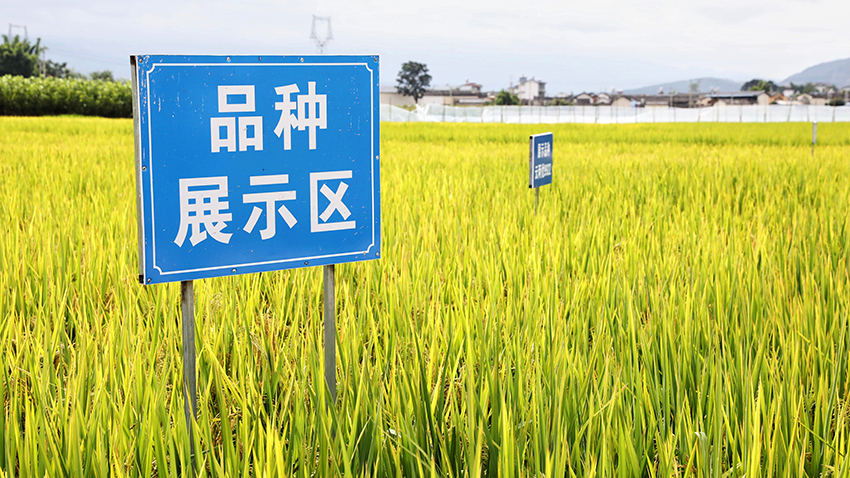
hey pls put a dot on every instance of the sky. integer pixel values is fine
(572, 46)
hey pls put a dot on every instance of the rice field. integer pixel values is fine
(678, 307)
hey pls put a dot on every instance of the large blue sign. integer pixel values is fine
(540, 160)
(255, 163)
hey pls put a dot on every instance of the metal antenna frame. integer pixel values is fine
(321, 42)
(26, 36)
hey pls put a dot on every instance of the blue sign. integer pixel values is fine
(540, 160)
(255, 163)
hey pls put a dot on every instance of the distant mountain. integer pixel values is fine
(833, 72)
(705, 86)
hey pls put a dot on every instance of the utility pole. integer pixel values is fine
(40, 54)
(321, 39)
(26, 37)
(690, 90)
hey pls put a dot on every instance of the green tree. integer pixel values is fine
(59, 70)
(104, 75)
(802, 89)
(413, 79)
(507, 98)
(559, 102)
(759, 85)
(19, 57)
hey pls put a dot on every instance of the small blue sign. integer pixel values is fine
(255, 163)
(540, 160)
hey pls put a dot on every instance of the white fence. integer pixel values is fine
(617, 115)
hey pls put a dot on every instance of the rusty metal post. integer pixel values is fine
(814, 137)
(190, 391)
(330, 330)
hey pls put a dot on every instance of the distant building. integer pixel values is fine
(469, 94)
(823, 88)
(674, 100)
(584, 99)
(529, 90)
(811, 99)
(465, 94)
(776, 98)
(623, 102)
(738, 98)
(563, 99)
(391, 96)
(469, 87)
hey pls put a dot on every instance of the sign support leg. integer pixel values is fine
(190, 395)
(814, 137)
(330, 330)
(536, 199)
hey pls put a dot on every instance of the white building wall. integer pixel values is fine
(396, 98)
(528, 91)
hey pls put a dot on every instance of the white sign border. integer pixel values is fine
(372, 161)
(532, 156)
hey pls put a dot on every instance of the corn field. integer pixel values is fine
(677, 307)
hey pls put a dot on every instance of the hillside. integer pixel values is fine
(833, 72)
(705, 86)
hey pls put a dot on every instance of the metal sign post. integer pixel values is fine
(252, 164)
(539, 164)
(536, 199)
(330, 330)
(814, 137)
(190, 390)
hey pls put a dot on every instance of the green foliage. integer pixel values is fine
(506, 98)
(759, 85)
(678, 307)
(837, 101)
(808, 88)
(558, 102)
(413, 79)
(56, 96)
(104, 75)
(19, 57)
(60, 70)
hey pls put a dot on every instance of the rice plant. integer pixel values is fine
(678, 307)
